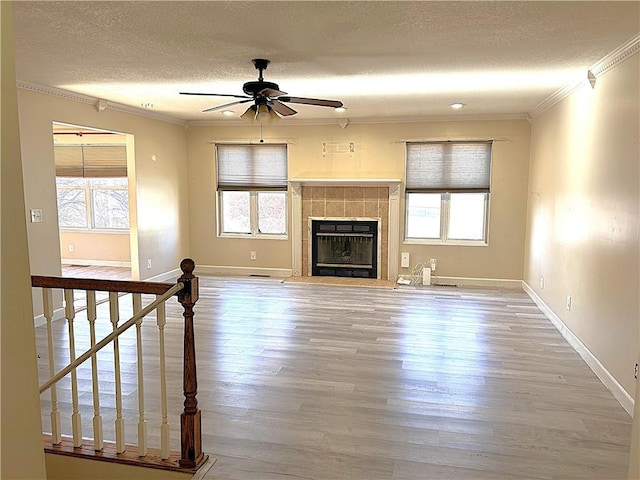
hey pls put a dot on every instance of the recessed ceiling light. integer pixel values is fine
(340, 109)
(228, 112)
(457, 105)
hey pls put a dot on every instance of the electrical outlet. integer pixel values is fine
(253, 255)
(569, 302)
(405, 260)
(433, 263)
(541, 283)
(72, 248)
(148, 264)
(36, 215)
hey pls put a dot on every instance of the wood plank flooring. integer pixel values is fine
(96, 271)
(331, 382)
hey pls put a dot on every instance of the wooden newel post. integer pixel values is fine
(191, 435)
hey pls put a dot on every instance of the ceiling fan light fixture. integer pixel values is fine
(228, 113)
(340, 109)
(273, 116)
(457, 105)
(250, 114)
(262, 114)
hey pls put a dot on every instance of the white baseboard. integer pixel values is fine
(95, 263)
(39, 320)
(476, 282)
(243, 271)
(170, 276)
(601, 372)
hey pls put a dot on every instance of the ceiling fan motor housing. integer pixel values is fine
(253, 88)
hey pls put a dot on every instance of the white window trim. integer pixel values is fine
(110, 231)
(444, 225)
(253, 219)
(90, 209)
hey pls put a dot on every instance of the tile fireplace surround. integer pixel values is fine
(340, 199)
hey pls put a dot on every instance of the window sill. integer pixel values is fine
(249, 236)
(449, 243)
(113, 231)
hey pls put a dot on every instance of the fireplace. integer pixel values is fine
(344, 248)
(346, 199)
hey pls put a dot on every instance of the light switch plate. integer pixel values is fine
(36, 215)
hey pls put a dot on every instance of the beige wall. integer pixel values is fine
(63, 467)
(583, 216)
(159, 211)
(380, 154)
(21, 454)
(111, 247)
(206, 248)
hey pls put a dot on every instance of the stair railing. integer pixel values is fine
(187, 291)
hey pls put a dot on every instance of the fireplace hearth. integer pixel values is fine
(344, 248)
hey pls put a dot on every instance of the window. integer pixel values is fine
(93, 203)
(447, 192)
(91, 186)
(252, 189)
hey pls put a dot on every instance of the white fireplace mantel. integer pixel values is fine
(296, 185)
(345, 182)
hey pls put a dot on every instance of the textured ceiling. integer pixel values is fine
(384, 60)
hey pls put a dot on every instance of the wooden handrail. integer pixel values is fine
(106, 340)
(151, 288)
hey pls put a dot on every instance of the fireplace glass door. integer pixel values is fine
(344, 248)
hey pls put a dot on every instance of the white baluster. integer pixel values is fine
(76, 420)
(114, 314)
(47, 302)
(164, 428)
(142, 423)
(97, 418)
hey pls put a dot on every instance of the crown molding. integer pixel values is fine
(103, 104)
(599, 68)
(616, 57)
(363, 121)
(56, 92)
(145, 113)
(440, 118)
(557, 97)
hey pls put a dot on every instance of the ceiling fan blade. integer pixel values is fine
(271, 92)
(312, 101)
(227, 105)
(214, 94)
(282, 109)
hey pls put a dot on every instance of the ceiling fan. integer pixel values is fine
(268, 100)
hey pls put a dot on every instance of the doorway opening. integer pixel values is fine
(93, 202)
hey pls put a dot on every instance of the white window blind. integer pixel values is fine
(251, 167)
(449, 167)
(91, 161)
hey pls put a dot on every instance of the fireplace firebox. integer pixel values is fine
(344, 248)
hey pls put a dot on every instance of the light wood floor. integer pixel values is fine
(95, 271)
(322, 382)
